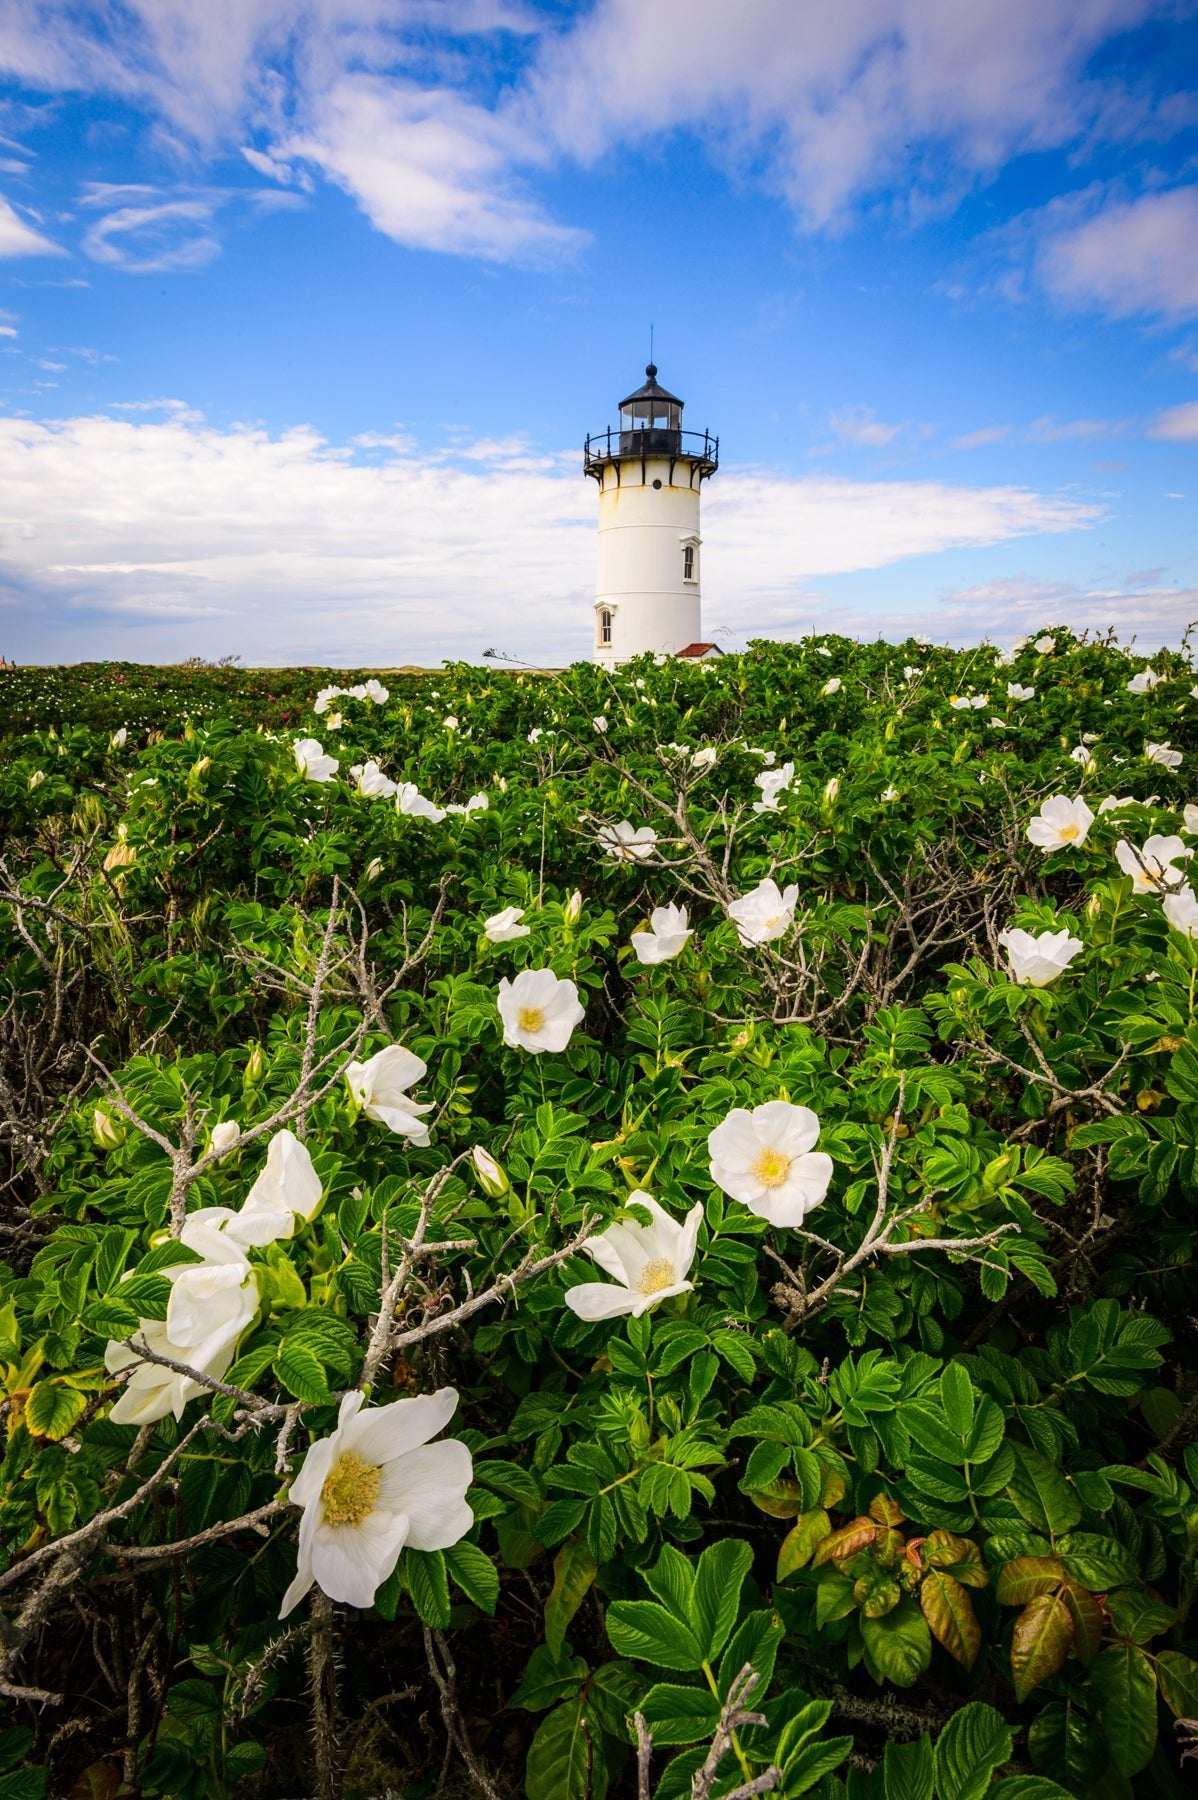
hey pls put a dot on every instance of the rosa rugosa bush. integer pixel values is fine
(583, 1234)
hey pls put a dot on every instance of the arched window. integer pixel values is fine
(604, 626)
(688, 562)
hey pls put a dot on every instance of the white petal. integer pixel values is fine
(600, 1300)
(429, 1485)
(381, 1433)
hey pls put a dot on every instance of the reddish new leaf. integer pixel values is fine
(1040, 1642)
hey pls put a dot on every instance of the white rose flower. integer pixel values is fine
(764, 913)
(705, 758)
(321, 702)
(1190, 819)
(649, 1262)
(450, 722)
(412, 804)
(772, 783)
(832, 686)
(536, 732)
(766, 1159)
(120, 738)
(1017, 691)
(572, 910)
(1037, 960)
(378, 1085)
(372, 783)
(1181, 910)
(539, 1012)
(1080, 754)
(889, 793)
(1144, 682)
(212, 1304)
(1005, 658)
(287, 1188)
(600, 723)
(225, 1137)
(1162, 754)
(1153, 867)
(504, 927)
(626, 843)
(667, 936)
(374, 1486)
(1060, 821)
(374, 690)
(36, 779)
(910, 671)
(1115, 803)
(311, 761)
(1044, 646)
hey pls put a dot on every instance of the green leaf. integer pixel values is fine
(679, 1715)
(1125, 1687)
(1029, 1787)
(475, 1574)
(1099, 1563)
(51, 1409)
(719, 1577)
(957, 1399)
(1041, 1493)
(574, 1572)
(908, 1770)
(898, 1646)
(561, 1763)
(1178, 1676)
(428, 1584)
(111, 1317)
(975, 1742)
(646, 1631)
(802, 1540)
(547, 1680)
(1021, 1579)
(1065, 1744)
(933, 1434)
(302, 1373)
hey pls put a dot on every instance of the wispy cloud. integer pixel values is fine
(860, 428)
(149, 230)
(1178, 424)
(17, 238)
(1138, 257)
(347, 555)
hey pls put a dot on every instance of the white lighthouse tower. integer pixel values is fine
(647, 594)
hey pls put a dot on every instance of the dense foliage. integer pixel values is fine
(893, 1494)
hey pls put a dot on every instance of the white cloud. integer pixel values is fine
(861, 427)
(1051, 430)
(1002, 608)
(977, 440)
(1139, 257)
(19, 239)
(1178, 424)
(419, 110)
(133, 531)
(429, 168)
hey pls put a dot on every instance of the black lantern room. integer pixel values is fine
(650, 425)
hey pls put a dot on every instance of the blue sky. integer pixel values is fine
(306, 305)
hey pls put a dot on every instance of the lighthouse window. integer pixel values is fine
(688, 562)
(605, 627)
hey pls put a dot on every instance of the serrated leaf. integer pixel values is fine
(719, 1577)
(908, 1770)
(647, 1632)
(474, 1573)
(427, 1582)
(302, 1373)
(51, 1409)
(1042, 1495)
(1040, 1642)
(899, 1644)
(934, 1434)
(975, 1742)
(957, 1398)
(679, 1715)
(1178, 1676)
(1029, 1787)
(1088, 1621)
(846, 1542)
(546, 1680)
(562, 1764)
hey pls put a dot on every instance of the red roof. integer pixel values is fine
(699, 650)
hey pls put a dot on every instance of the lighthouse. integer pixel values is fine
(649, 473)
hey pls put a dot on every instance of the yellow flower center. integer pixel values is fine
(1067, 833)
(656, 1275)
(350, 1489)
(530, 1018)
(771, 1168)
